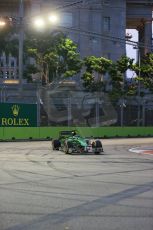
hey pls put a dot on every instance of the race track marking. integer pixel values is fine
(142, 150)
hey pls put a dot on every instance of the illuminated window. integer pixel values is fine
(7, 74)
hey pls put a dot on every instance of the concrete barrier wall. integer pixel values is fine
(23, 133)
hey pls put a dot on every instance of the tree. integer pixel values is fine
(116, 80)
(55, 55)
(146, 71)
(95, 69)
(117, 73)
(29, 70)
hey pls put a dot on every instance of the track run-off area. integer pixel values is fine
(48, 190)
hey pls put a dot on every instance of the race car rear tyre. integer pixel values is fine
(98, 148)
(98, 144)
(56, 144)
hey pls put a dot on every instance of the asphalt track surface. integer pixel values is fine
(48, 190)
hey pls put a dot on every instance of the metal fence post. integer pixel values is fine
(144, 113)
(69, 110)
(97, 111)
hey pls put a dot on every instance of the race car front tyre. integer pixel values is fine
(56, 144)
(68, 148)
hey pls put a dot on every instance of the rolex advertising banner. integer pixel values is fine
(18, 115)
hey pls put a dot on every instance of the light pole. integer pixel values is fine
(21, 37)
(139, 89)
(139, 84)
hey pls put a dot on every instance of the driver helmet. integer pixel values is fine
(73, 133)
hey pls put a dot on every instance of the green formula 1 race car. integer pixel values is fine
(71, 142)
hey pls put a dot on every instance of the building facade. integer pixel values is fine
(139, 17)
(8, 67)
(94, 25)
(97, 26)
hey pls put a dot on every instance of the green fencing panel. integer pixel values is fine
(23, 133)
(53, 132)
(18, 115)
(1, 133)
